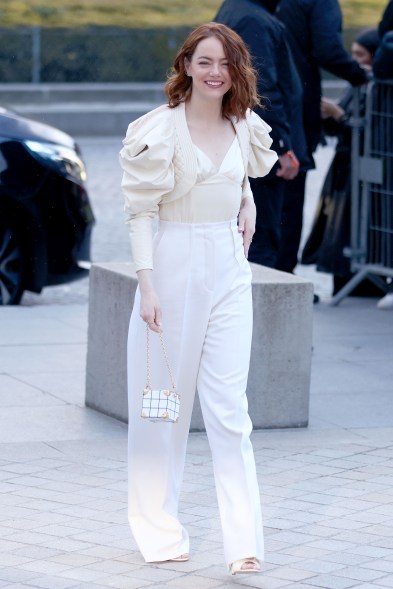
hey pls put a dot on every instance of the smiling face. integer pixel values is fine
(209, 69)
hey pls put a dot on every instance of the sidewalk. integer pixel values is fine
(327, 491)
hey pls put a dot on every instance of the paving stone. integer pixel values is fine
(261, 581)
(366, 586)
(45, 567)
(28, 537)
(380, 565)
(58, 530)
(279, 558)
(89, 585)
(67, 544)
(360, 574)
(332, 582)
(155, 573)
(320, 531)
(35, 552)
(8, 559)
(281, 523)
(334, 545)
(346, 558)
(13, 574)
(380, 530)
(195, 582)
(344, 524)
(5, 585)
(385, 581)
(105, 552)
(383, 542)
(299, 586)
(75, 560)
(320, 566)
(370, 551)
(327, 491)
(291, 573)
(85, 524)
(50, 582)
(358, 537)
(368, 517)
(307, 551)
(84, 574)
(121, 582)
(113, 567)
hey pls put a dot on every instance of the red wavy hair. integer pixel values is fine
(243, 92)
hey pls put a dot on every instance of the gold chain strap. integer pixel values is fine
(165, 357)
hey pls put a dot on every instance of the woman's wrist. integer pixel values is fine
(247, 201)
(145, 281)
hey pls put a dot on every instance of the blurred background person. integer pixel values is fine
(314, 34)
(330, 233)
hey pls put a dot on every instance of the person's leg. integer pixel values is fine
(222, 382)
(156, 454)
(157, 450)
(268, 195)
(291, 223)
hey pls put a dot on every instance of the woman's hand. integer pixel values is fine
(331, 109)
(246, 222)
(150, 309)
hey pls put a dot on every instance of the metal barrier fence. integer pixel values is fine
(371, 251)
(88, 54)
(91, 53)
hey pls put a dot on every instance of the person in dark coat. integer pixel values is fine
(279, 82)
(330, 233)
(386, 23)
(314, 34)
(383, 62)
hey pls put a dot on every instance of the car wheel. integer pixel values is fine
(11, 266)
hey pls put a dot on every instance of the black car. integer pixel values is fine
(45, 214)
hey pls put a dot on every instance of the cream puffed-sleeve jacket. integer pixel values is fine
(160, 165)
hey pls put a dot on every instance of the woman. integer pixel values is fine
(188, 161)
(330, 234)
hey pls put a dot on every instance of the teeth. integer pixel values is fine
(214, 83)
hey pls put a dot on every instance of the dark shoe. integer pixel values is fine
(316, 299)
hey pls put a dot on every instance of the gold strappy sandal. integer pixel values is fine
(237, 566)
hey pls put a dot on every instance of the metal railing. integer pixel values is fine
(89, 54)
(371, 250)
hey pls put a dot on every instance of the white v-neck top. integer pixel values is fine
(162, 166)
(216, 196)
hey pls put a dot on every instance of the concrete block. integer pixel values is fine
(279, 379)
(111, 294)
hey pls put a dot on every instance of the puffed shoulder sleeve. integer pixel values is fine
(261, 157)
(146, 160)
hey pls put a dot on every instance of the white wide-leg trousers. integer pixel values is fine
(204, 284)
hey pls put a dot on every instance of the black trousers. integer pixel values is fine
(291, 223)
(268, 195)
